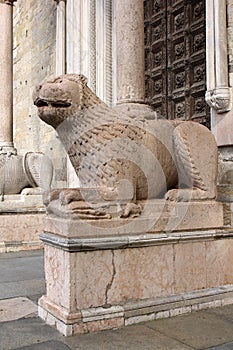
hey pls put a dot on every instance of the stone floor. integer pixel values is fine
(22, 283)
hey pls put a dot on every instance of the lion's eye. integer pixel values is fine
(41, 103)
(60, 104)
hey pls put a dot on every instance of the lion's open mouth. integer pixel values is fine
(46, 103)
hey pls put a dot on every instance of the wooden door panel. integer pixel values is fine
(175, 58)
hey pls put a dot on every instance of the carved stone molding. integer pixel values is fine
(219, 99)
(7, 2)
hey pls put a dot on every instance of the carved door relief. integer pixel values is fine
(175, 59)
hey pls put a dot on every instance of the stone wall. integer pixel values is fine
(34, 60)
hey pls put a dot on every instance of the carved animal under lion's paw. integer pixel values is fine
(108, 145)
(28, 191)
(186, 195)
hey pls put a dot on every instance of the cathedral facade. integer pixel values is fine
(187, 63)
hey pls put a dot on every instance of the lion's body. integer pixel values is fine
(109, 148)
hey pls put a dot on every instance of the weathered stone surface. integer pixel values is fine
(60, 272)
(219, 263)
(21, 227)
(141, 274)
(190, 266)
(99, 277)
(21, 222)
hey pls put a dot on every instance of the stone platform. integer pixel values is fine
(103, 274)
(21, 222)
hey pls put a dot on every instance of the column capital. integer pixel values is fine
(7, 2)
(220, 99)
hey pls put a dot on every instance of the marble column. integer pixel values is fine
(64, 11)
(61, 37)
(130, 63)
(6, 73)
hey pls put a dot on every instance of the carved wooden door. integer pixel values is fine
(175, 58)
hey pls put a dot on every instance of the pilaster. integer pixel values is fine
(61, 37)
(218, 94)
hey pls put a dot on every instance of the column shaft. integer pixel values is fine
(61, 38)
(130, 51)
(210, 46)
(6, 73)
(221, 43)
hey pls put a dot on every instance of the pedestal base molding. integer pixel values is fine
(99, 319)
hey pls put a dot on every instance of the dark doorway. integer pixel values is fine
(175, 52)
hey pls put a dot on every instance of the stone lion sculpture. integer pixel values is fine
(28, 174)
(126, 152)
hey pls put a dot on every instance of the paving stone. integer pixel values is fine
(22, 288)
(50, 345)
(131, 338)
(22, 268)
(200, 330)
(25, 332)
(22, 254)
(224, 312)
(16, 308)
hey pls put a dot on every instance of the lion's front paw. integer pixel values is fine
(179, 195)
(131, 210)
(49, 196)
(69, 195)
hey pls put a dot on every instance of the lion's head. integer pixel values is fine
(60, 98)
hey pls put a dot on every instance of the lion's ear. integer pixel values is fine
(83, 79)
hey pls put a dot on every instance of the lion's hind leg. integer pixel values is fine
(196, 157)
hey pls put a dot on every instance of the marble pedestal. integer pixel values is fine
(21, 222)
(103, 274)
